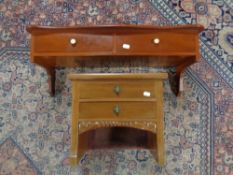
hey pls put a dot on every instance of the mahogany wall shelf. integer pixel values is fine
(168, 46)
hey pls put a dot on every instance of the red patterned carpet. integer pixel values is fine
(35, 128)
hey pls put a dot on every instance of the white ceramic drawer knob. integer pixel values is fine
(156, 41)
(126, 46)
(146, 94)
(73, 41)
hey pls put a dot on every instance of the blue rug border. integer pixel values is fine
(26, 155)
(210, 93)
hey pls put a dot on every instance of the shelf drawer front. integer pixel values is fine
(117, 110)
(116, 89)
(85, 44)
(159, 43)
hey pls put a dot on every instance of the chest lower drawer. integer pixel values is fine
(116, 89)
(117, 110)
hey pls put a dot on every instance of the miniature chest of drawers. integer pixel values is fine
(117, 100)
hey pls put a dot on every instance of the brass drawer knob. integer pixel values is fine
(156, 40)
(73, 41)
(117, 89)
(116, 110)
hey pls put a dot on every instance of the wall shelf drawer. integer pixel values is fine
(157, 43)
(72, 43)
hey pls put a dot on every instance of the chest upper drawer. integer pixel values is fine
(160, 43)
(116, 89)
(72, 43)
(117, 110)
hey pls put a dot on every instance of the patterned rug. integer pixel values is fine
(14, 161)
(35, 128)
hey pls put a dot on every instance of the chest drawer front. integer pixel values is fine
(116, 89)
(73, 43)
(158, 43)
(117, 110)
